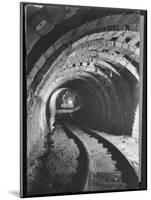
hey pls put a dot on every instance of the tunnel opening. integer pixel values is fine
(88, 114)
(84, 74)
(101, 103)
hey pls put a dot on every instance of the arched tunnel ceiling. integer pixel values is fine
(91, 51)
(83, 98)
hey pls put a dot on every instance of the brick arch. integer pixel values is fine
(102, 51)
(105, 50)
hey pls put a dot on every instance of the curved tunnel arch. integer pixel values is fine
(107, 53)
(97, 57)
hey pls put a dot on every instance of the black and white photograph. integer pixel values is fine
(83, 80)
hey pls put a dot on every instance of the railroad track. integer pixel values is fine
(108, 167)
(128, 175)
(85, 161)
(80, 179)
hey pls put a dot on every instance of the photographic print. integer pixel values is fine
(83, 99)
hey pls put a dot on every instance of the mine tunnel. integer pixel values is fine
(88, 54)
(98, 56)
(61, 104)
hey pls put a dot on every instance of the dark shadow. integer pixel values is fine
(15, 193)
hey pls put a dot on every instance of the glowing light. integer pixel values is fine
(70, 102)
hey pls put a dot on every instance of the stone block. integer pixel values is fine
(136, 51)
(33, 72)
(49, 52)
(118, 45)
(134, 40)
(58, 43)
(44, 27)
(125, 46)
(45, 68)
(85, 45)
(29, 81)
(108, 44)
(84, 64)
(94, 44)
(67, 37)
(131, 48)
(38, 78)
(41, 25)
(95, 36)
(77, 68)
(40, 61)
